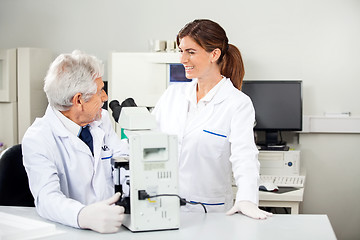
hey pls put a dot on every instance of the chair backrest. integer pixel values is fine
(14, 184)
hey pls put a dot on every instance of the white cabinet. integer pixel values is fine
(22, 99)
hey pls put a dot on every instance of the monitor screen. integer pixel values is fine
(177, 73)
(278, 104)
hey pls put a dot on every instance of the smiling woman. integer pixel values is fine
(214, 122)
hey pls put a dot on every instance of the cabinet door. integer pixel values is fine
(7, 75)
(8, 123)
(32, 66)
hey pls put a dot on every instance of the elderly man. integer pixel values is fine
(67, 153)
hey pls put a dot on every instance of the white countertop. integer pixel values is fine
(207, 226)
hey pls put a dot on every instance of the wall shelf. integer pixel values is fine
(331, 124)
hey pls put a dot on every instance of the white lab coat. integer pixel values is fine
(63, 174)
(219, 141)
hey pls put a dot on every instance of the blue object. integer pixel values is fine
(86, 137)
(217, 134)
(209, 204)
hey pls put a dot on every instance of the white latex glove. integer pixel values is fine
(103, 217)
(249, 209)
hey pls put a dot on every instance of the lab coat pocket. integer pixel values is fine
(212, 142)
(106, 153)
(107, 170)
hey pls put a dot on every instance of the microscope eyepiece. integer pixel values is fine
(116, 107)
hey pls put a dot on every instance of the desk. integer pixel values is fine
(290, 199)
(211, 226)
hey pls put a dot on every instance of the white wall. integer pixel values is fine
(313, 40)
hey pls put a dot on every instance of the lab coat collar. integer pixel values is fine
(70, 126)
(96, 123)
(216, 95)
(57, 126)
(190, 93)
(224, 91)
(210, 95)
(68, 123)
(61, 131)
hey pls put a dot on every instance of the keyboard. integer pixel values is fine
(284, 181)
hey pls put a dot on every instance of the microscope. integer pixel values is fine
(148, 178)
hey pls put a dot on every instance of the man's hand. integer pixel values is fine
(249, 209)
(102, 217)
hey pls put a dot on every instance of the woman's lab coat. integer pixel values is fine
(63, 174)
(219, 141)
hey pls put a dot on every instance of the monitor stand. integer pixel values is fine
(272, 143)
(273, 147)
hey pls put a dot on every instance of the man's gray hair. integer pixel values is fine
(70, 74)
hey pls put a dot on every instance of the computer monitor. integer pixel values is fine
(278, 107)
(177, 73)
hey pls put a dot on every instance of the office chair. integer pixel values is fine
(14, 185)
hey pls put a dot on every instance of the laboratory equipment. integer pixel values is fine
(148, 178)
(22, 99)
(285, 163)
(143, 76)
(278, 107)
(116, 107)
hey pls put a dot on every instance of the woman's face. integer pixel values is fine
(197, 62)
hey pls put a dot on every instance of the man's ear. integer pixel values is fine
(77, 100)
(215, 55)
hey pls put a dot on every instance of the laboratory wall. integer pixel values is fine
(313, 40)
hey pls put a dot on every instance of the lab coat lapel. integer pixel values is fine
(79, 145)
(224, 91)
(98, 136)
(201, 118)
(60, 131)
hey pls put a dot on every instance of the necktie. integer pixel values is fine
(86, 137)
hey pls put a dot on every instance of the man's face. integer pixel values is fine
(92, 108)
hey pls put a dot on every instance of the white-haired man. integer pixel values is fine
(67, 153)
